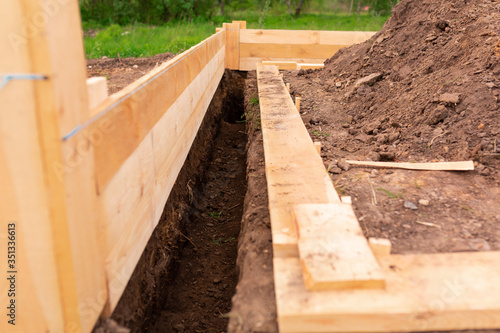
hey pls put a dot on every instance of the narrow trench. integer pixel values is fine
(199, 292)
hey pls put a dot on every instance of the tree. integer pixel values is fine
(298, 9)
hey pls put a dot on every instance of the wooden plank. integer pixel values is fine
(134, 200)
(334, 253)
(424, 292)
(306, 51)
(290, 65)
(344, 37)
(437, 166)
(310, 66)
(232, 45)
(295, 172)
(24, 201)
(126, 118)
(255, 36)
(57, 104)
(97, 92)
(250, 64)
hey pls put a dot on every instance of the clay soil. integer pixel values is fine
(423, 89)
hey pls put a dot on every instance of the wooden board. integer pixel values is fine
(290, 65)
(306, 51)
(294, 45)
(24, 199)
(334, 253)
(311, 37)
(425, 292)
(232, 45)
(126, 118)
(437, 166)
(250, 64)
(295, 172)
(132, 203)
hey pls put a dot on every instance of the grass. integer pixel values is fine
(389, 193)
(219, 241)
(215, 214)
(318, 133)
(141, 40)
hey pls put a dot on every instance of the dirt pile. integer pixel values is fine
(424, 88)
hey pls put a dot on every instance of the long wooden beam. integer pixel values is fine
(124, 120)
(299, 46)
(295, 172)
(132, 203)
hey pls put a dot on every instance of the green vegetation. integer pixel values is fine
(219, 241)
(215, 214)
(318, 133)
(389, 193)
(133, 28)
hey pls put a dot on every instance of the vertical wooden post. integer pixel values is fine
(317, 145)
(50, 181)
(232, 45)
(243, 24)
(297, 103)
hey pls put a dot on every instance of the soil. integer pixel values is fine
(120, 72)
(424, 89)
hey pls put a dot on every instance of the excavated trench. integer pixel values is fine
(187, 274)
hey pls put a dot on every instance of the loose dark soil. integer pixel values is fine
(432, 96)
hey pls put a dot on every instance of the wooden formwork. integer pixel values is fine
(85, 176)
(328, 278)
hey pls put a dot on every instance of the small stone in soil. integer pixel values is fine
(423, 202)
(217, 280)
(410, 205)
(343, 165)
(210, 225)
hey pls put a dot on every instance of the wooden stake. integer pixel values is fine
(317, 145)
(97, 92)
(380, 246)
(297, 104)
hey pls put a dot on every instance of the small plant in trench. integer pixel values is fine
(219, 241)
(319, 133)
(251, 118)
(215, 214)
(254, 101)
